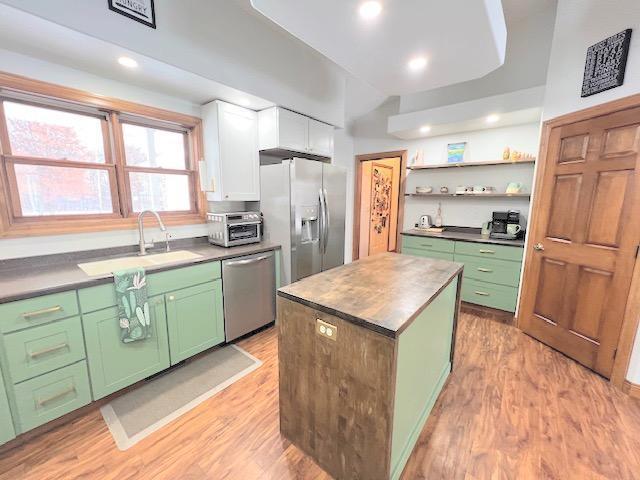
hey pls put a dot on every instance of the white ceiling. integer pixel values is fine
(461, 39)
(30, 35)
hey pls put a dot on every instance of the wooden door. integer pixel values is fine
(379, 204)
(584, 237)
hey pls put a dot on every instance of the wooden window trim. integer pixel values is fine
(123, 217)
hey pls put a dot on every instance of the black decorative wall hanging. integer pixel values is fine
(142, 11)
(606, 63)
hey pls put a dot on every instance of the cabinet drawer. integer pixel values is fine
(50, 396)
(427, 243)
(489, 294)
(428, 254)
(36, 311)
(104, 296)
(114, 365)
(42, 349)
(487, 250)
(491, 270)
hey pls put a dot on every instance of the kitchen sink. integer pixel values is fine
(104, 267)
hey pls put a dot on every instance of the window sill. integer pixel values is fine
(37, 228)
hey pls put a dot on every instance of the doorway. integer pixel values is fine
(379, 203)
(584, 236)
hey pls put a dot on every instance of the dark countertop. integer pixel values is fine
(467, 234)
(383, 293)
(35, 276)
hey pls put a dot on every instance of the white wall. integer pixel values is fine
(343, 156)
(580, 24)
(223, 40)
(482, 145)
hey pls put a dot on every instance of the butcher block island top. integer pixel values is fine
(383, 293)
(364, 351)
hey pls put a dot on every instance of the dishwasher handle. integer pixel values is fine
(249, 261)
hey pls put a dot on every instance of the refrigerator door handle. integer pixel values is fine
(321, 234)
(327, 223)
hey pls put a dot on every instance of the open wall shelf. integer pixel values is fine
(469, 195)
(470, 164)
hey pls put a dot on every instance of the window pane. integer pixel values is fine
(150, 147)
(158, 191)
(47, 133)
(46, 190)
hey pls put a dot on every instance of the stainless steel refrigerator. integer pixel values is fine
(304, 203)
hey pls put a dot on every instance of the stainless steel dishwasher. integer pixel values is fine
(249, 289)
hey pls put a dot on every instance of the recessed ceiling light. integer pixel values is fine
(244, 102)
(417, 63)
(425, 129)
(127, 62)
(370, 9)
(493, 118)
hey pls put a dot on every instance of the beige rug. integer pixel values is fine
(137, 414)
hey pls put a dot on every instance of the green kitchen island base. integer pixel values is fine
(362, 366)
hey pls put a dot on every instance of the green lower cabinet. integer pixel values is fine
(428, 253)
(195, 319)
(51, 395)
(114, 365)
(41, 349)
(489, 295)
(6, 423)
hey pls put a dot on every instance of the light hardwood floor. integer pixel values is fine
(513, 409)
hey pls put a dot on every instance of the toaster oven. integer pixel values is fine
(231, 229)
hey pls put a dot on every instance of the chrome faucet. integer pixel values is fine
(143, 244)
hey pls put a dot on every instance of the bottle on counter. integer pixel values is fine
(438, 222)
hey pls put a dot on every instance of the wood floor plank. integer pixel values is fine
(512, 409)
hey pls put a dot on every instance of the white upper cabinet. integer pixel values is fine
(232, 162)
(320, 138)
(282, 129)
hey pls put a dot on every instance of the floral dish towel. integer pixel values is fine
(133, 304)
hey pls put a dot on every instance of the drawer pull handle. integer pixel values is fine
(484, 294)
(426, 245)
(482, 250)
(44, 351)
(485, 270)
(44, 311)
(43, 402)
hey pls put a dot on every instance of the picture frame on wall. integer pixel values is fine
(606, 63)
(455, 152)
(142, 11)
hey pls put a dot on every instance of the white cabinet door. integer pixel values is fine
(320, 138)
(231, 153)
(293, 131)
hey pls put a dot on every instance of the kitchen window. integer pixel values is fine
(92, 164)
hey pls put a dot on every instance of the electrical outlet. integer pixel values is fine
(326, 330)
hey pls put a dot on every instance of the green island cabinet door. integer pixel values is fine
(6, 423)
(114, 365)
(195, 319)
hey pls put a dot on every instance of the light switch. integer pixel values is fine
(326, 330)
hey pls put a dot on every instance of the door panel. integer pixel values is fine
(114, 365)
(374, 174)
(195, 320)
(380, 209)
(564, 206)
(7, 431)
(306, 184)
(586, 209)
(334, 180)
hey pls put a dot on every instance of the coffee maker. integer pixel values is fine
(507, 225)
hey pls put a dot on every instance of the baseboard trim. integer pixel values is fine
(633, 389)
(500, 316)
